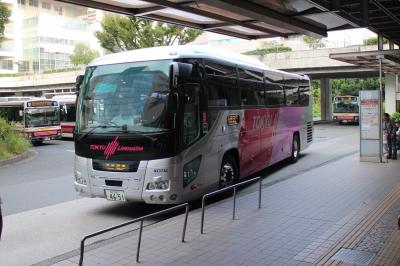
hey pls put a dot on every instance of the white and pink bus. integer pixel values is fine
(67, 114)
(165, 125)
(36, 118)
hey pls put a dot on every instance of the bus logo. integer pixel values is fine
(111, 148)
(114, 146)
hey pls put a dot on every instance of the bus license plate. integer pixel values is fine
(115, 195)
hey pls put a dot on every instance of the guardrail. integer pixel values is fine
(203, 202)
(141, 219)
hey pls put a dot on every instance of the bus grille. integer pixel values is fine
(309, 132)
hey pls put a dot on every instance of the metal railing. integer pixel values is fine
(141, 219)
(203, 202)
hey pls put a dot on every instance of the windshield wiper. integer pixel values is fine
(91, 131)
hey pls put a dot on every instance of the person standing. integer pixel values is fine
(389, 131)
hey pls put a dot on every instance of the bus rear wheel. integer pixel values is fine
(229, 172)
(295, 149)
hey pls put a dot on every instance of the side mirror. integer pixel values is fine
(78, 82)
(173, 74)
(21, 113)
(179, 71)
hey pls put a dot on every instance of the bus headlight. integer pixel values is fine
(190, 170)
(158, 185)
(79, 179)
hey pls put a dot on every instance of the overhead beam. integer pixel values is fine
(267, 15)
(364, 12)
(386, 11)
(194, 25)
(214, 16)
(338, 11)
(148, 10)
(102, 6)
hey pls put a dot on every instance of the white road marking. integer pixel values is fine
(70, 151)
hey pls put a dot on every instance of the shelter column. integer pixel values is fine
(326, 99)
(391, 88)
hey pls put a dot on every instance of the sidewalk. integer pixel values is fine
(304, 220)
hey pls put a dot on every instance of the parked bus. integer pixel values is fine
(165, 125)
(67, 114)
(346, 109)
(37, 119)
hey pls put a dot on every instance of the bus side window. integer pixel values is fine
(251, 88)
(291, 95)
(216, 95)
(274, 95)
(304, 95)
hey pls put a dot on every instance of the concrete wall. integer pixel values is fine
(38, 80)
(318, 58)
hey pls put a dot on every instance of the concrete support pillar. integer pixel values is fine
(391, 88)
(326, 99)
(380, 41)
(391, 44)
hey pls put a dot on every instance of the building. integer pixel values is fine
(42, 34)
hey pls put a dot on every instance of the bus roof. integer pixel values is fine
(20, 101)
(185, 51)
(15, 98)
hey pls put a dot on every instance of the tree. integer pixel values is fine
(373, 41)
(269, 48)
(121, 33)
(5, 14)
(82, 54)
(313, 43)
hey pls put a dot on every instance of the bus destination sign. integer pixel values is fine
(41, 103)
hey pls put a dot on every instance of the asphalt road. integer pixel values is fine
(45, 218)
(45, 179)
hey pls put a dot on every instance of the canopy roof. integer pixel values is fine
(252, 19)
(370, 60)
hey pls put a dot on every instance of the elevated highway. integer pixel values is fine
(317, 63)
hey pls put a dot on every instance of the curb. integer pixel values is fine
(29, 153)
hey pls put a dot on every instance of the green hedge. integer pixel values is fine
(396, 116)
(11, 143)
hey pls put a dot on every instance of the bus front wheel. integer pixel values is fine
(229, 172)
(36, 142)
(295, 149)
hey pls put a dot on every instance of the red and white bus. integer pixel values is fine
(37, 119)
(67, 114)
(165, 125)
(346, 109)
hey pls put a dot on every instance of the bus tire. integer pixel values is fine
(37, 142)
(295, 149)
(229, 172)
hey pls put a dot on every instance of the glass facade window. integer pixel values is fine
(58, 9)
(21, 2)
(6, 64)
(34, 3)
(46, 5)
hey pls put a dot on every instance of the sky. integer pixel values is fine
(348, 37)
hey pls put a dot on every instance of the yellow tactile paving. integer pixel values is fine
(356, 235)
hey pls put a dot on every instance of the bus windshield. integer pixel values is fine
(40, 117)
(127, 96)
(345, 107)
